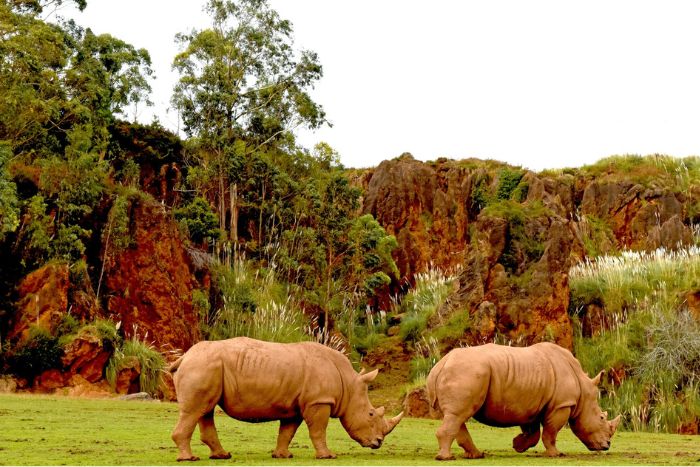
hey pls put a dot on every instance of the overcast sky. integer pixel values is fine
(540, 84)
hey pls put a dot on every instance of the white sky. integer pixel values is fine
(540, 84)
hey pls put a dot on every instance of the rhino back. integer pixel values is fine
(510, 385)
(268, 381)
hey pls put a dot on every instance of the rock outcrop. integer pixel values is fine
(149, 285)
(425, 206)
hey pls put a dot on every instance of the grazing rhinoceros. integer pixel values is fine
(258, 381)
(509, 386)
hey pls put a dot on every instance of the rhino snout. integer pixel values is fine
(376, 444)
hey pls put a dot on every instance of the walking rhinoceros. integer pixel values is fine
(258, 381)
(509, 386)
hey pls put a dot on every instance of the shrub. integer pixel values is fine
(39, 353)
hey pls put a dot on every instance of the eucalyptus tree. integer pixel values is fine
(243, 89)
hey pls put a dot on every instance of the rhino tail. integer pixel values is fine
(431, 391)
(175, 365)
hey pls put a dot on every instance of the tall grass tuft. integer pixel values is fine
(151, 361)
(423, 302)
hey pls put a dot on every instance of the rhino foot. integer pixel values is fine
(473, 455)
(282, 455)
(440, 457)
(328, 455)
(187, 459)
(225, 455)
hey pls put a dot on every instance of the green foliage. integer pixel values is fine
(525, 244)
(260, 82)
(598, 237)
(117, 235)
(9, 204)
(40, 352)
(508, 181)
(199, 220)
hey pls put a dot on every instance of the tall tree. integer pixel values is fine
(242, 88)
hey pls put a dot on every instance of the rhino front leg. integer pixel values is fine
(288, 429)
(208, 435)
(316, 418)
(528, 438)
(553, 423)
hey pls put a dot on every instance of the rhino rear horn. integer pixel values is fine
(391, 423)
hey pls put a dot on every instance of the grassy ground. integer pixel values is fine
(42, 430)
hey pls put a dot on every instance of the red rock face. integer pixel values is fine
(43, 300)
(149, 286)
(425, 207)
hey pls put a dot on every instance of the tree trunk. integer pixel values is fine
(233, 194)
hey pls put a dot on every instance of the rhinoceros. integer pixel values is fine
(258, 381)
(505, 386)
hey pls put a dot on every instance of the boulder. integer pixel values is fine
(86, 355)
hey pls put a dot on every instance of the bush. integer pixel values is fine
(39, 353)
(199, 220)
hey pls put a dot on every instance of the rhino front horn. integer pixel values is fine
(614, 423)
(391, 423)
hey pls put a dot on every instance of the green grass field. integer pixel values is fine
(43, 430)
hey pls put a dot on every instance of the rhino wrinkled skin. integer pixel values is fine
(541, 385)
(258, 381)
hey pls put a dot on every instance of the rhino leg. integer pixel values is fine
(464, 440)
(182, 434)
(316, 418)
(528, 438)
(553, 423)
(454, 427)
(208, 435)
(288, 429)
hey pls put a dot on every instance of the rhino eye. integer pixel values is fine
(371, 414)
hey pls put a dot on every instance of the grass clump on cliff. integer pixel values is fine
(645, 335)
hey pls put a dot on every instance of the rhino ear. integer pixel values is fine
(367, 377)
(362, 371)
(596, 380)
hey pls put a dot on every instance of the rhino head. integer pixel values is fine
(592, 426)
(361, 420)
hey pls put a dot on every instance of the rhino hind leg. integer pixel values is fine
(182, 434)
(464, 440)
(454, 427)
(288, 429)
(528, 438)
(208, 435)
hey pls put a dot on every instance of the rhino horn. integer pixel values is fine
(367, 377)
(391, 423)
(614, 423)
(596, 380)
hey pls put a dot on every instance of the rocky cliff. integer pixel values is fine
(514, 234)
